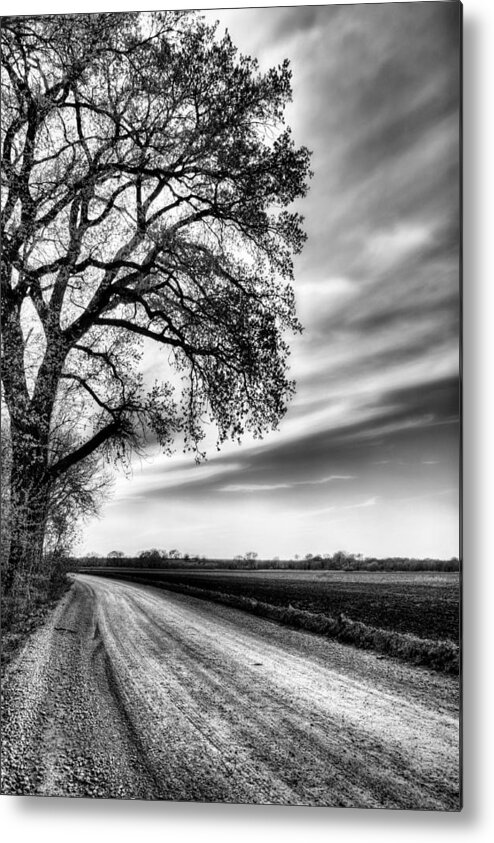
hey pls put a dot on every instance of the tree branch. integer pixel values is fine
(90, 391)
(85, 450)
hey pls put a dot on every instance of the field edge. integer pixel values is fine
(440, 655)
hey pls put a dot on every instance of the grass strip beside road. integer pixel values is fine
(21, 619)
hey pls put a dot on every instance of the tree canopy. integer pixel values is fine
(147, 178)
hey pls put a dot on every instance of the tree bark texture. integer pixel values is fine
(29, 500)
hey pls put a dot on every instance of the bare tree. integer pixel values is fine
(146, 173)
(75, 497)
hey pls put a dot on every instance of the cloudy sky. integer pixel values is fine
(366, 459)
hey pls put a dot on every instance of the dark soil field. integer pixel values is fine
(424, 604)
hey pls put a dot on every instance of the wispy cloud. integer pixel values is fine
(269, 487)
(254, 487)
(336, 509)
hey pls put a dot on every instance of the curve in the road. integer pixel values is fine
(133, 692)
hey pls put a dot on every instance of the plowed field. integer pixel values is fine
(421, 603)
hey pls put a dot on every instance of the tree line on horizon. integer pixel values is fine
(341, 560)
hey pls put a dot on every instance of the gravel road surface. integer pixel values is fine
(132, 692)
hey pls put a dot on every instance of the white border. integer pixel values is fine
(77, 821)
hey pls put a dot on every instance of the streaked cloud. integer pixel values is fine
(336, 509)
(253, 487)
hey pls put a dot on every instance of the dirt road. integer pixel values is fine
(133, 692)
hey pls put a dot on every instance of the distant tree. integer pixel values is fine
(250, 559)
(340, 558)
(152, 553)
(174, 554)
(115, 554)
(146, 175)
(152, 556)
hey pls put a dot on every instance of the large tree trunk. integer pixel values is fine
(29, 498)
(30, 482)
